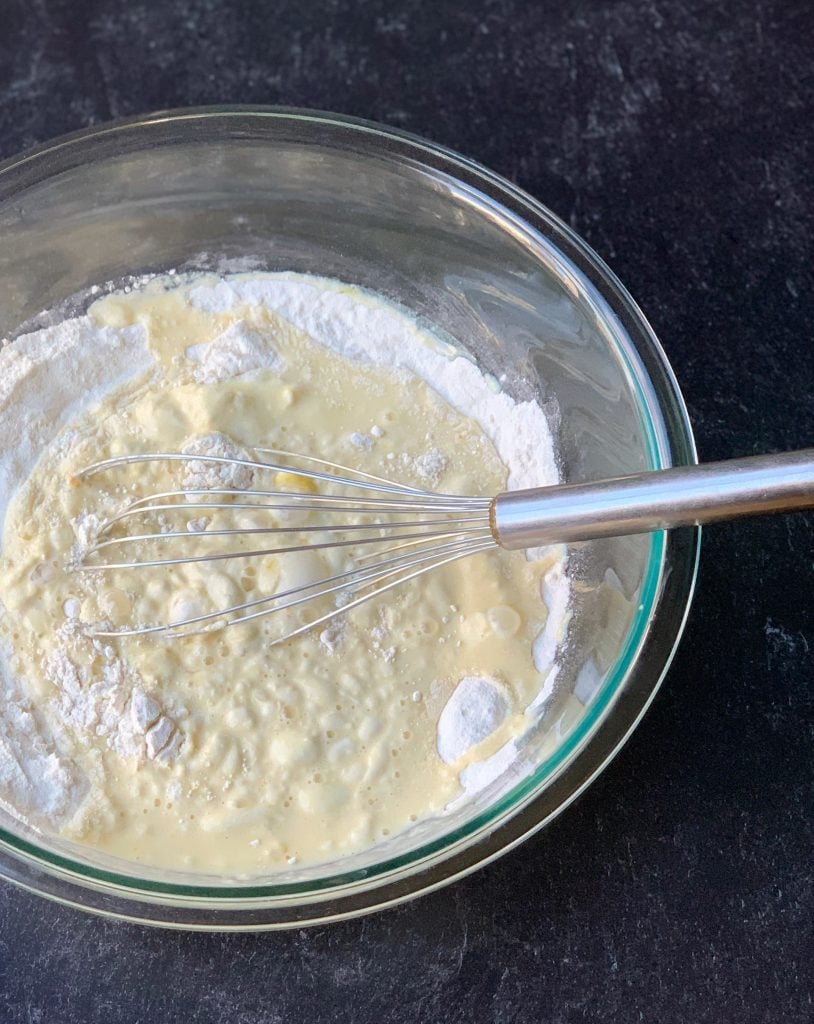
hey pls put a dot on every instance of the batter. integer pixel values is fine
(218, 752)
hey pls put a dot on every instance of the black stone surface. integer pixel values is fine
(676, 137)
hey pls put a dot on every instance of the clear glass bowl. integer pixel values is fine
(482, 263)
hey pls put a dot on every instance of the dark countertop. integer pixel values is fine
(676, 137)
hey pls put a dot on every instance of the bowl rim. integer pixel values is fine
(669, 585)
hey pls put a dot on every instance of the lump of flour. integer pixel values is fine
(239, 350)
(476, 708)
(198, 474)
(108, 700)
(35, 776)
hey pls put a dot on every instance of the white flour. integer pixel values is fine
(48, 377)
(473, 712)
(35, 777)
(199, 475)
(370, 331)
(110, 702)
(238, 351)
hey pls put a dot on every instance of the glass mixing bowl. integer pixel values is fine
(482, 263)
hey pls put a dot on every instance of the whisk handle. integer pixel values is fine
(645, 502)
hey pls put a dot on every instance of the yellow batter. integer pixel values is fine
(218, 753)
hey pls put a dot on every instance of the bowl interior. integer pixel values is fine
(442, 239)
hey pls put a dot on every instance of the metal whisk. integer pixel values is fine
(404, 532)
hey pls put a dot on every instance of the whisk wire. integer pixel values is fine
(403, 532)
(132, 511)
(258, 553)
(436, 564)
(354, 578)
(384, 487)
(429, 501)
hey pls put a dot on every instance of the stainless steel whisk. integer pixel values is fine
(406, 532)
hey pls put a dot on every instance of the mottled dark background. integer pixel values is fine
(676, 136)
